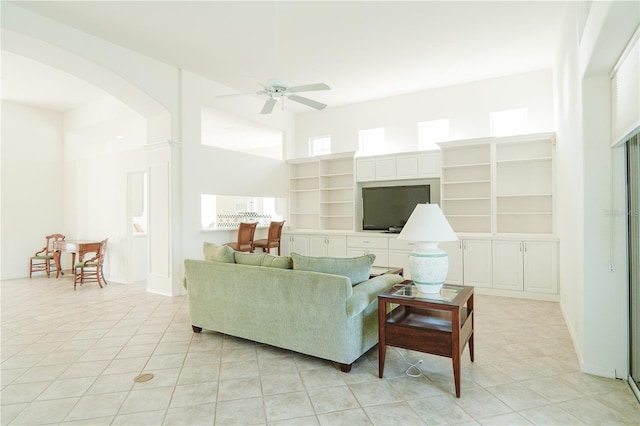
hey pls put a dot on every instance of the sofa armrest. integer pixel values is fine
(367, 292)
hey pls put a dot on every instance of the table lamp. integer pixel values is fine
(428, 264)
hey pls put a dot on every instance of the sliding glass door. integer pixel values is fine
(633, 200)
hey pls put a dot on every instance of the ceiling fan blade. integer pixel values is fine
(307, 101)
(230, 95)
(308, 88)
(268, 106)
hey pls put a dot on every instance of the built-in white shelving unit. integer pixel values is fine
(322, 192)
(499, 185)
(524, 184)
(466, 185)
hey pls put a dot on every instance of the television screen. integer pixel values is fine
(388, 208)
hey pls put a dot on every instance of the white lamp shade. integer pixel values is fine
(427, 224)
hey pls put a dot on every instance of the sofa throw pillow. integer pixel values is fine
(215, 253)
(355, 268)
(282, 262)
(253, 259)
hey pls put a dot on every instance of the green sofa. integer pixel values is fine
(314, 313)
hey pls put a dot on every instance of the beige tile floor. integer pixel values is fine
(70, 358)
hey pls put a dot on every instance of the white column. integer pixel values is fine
(165, 235)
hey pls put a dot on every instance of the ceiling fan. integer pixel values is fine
(277, 90)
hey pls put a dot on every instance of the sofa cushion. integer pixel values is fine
(215, 253)
(282, 262)
(253, 259)
(355, 268)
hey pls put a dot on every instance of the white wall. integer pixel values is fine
(31, 186)
(212, 170)
(467, 106)
(103, 142)
(593, 298)
(569, 182)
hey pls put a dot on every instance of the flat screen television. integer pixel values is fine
(387, 208)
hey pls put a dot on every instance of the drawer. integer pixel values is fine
(397, 244)
(368, 242)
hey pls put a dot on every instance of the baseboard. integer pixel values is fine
(517, 294)
(597, 371)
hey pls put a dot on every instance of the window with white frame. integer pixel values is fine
(431, 132)
(509, 122)
(371, 141)
(319, 145)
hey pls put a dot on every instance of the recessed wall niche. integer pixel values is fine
(224, 130)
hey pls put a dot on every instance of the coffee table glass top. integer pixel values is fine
(446, 294)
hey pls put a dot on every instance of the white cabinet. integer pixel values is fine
(399, 254)
(530, 266)
(541, 267)
(406, 166)
(469, 262)
(410, 165)
(429, 165)
(507, 265)
(328, 245)
(386, 168)
(365, 169)
(294, 243)
(361, 245)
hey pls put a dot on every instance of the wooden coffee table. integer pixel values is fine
(439, 324)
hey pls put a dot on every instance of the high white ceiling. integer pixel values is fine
(363, 49)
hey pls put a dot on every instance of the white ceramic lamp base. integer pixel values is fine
(429, 266)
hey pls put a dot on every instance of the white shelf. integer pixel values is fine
(524, 160)
(337, 188)
(465, 199)
(522, 213)
(466, 182)
(337, 174)
(468, 165)
(303, 177)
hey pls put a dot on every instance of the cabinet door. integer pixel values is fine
(541, 266)
(386, 168)
(477, 265)
(429, 165)
(382, 256)
(406, 166)
(336, 246)
(454, 251)
(507, 265)
(365, 169)
(400, 259)
(317, 245)
(294, 243)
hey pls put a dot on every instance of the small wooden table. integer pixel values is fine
(73, 247)
(439, 324)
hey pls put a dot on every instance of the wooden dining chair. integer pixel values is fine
(43, 260)
(90, 264)
(246, 231)
(273, 238)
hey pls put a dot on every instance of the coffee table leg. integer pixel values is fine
(470, 307)
(456, 373)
